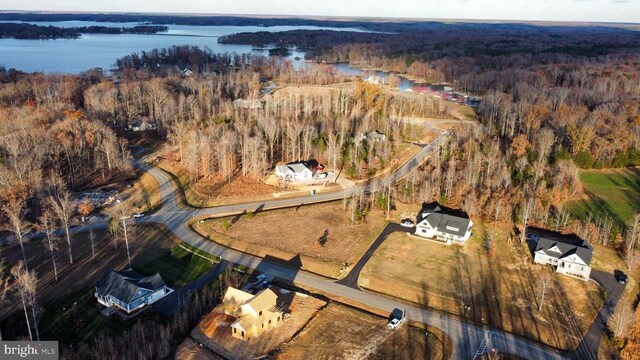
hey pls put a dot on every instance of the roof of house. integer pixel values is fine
(298, 167)
(246, 322)
(448, 224)
(266, 299)
(376, 135)
(581, 248)
(126, 285)
(233, 298)
(263, 303)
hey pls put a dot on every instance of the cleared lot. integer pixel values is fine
(339, 332)
(501, 289)
(214, 330)
(321, 234)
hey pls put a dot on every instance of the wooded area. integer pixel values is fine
(555, 99)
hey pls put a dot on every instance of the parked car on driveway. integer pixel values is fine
(322, 175)
(407, 223)
(620, 277)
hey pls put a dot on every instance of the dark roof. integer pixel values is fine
(581, 248)
(448, 224)
(127, 285)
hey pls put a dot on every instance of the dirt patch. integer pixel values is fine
(214, 191)
(214, 331)
(190, 350)
(321, 234)
(340, 332)
(502, 289)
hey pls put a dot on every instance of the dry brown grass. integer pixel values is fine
(288, 232)
(502, 289)
(214, 191)
(145, 194)
(190, 350)
(339, 332)
(214, 330)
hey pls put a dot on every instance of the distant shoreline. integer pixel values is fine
(325, 18)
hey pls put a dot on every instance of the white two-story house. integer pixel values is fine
(572, 259)
(446, 228)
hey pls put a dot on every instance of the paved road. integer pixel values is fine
(588, 347)
(466, 337)
(351, 280)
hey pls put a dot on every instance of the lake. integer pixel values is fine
(101, 50)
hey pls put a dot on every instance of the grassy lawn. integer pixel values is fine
(178, 266)
(76, 318)
(322, 235)
(612, 193)
(502, 288)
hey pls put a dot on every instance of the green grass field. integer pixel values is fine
(76, 318)
(178, 266)
(612, 193)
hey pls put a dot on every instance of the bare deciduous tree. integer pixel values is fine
(14, 211)
(47, 225)
(26, 282)
(120, 214)
(62, 206)
(4, 286)
(92, 239)
(545, 283)
(621, 318)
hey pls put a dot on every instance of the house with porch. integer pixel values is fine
(254, 314)
(569, 257)
(294, 172)
(129, 291)
(442, 226)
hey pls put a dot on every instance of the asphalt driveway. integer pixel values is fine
(351, 280)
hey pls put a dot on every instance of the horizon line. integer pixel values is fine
(315, 17)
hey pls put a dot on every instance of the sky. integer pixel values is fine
(550, 10)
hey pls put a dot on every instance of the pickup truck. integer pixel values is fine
(398, 316)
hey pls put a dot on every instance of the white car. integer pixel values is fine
(407, 223)
(394, 323)
(138, 215)
(398, 316)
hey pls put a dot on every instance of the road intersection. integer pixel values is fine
(466, 337)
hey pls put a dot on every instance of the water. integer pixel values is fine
(101, 50)
(348, 69)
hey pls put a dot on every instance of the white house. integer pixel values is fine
(141, 125)
(294, 172)
(130, 291)
(434, 224)
(568, 258)
(373, 136)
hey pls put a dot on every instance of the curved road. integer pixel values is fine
(466, 337)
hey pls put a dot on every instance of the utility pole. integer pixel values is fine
(126, 240)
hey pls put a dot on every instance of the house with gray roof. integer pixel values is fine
(435, 224)
(294, 172)
(130, 291)
(571, 258)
